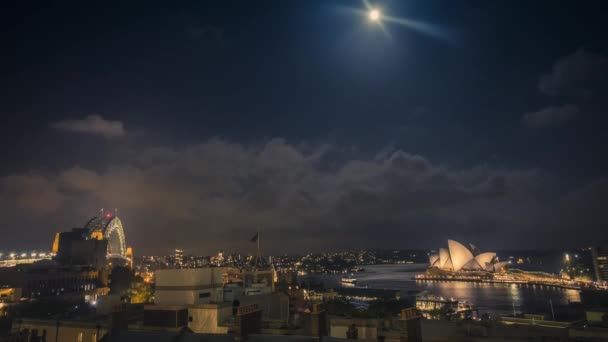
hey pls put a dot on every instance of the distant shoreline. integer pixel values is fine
(491, 281)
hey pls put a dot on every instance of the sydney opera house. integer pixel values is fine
(458, 257)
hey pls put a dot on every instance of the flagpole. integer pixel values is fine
(258, 247)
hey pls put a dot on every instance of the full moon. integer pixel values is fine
(374, 15)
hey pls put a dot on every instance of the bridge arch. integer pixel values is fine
(109, 227)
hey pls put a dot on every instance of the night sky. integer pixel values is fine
(205, 121)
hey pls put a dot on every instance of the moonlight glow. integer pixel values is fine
(374, 15)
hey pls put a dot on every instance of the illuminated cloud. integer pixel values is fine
(549, 116)
(33, 193)
(577, 74)
(209, 194)
(92, 124)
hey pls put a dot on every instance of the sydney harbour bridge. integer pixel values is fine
(109, 227)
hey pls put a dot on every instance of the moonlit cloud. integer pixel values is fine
(92, 124)
(553, 115)
(577, 74)
(212, 193)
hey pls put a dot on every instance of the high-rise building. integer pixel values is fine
(600, 262)
(77, 248)
(179, 258)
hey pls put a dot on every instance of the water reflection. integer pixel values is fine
(496, 298)
(515, 296)
(573, 295)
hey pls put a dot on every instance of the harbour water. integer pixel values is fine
(491, 298)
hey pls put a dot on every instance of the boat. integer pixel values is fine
(348, 281)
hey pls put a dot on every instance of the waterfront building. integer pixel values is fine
(600, 262)
(458, 257)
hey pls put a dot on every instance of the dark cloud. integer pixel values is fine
(92, 124)
(578, 74)
(549, 116)
(584, 207)
(208, 195)
(209, 34)
(30, 192)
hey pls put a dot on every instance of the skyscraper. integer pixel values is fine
(600, 262)
(179, 258)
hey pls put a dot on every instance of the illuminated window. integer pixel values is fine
(80, 336)
(94, 338)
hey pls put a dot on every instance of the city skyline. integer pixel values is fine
(204, 123)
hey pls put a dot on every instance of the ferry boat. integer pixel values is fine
(348, 281)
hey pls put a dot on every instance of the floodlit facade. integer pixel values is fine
(189, 286)
(600, 262)
(458, 257)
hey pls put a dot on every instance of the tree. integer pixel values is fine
(140, 292)
(340, 306)
(121, 279)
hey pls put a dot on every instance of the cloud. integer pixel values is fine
(208, 33)
(214, 194)
(92, 124)
(578, 74)
(549, 116)
(583, 206)
(30, 192)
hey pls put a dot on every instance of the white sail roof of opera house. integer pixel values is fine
(484, 258)
(458, 257)
(459, 254)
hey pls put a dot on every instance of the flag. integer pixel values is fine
(254, 238)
